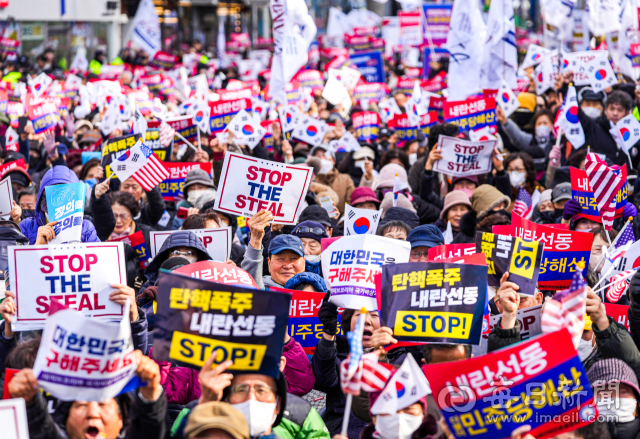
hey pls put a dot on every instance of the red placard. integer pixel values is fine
(448, 251)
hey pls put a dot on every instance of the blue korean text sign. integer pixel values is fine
(582, 193)
(65, 204)
(532, 383)
(370, 66)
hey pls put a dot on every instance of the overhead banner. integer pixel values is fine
(249, 185)
(223, 111)
(85, 360)
(461, 158)
(195, 317)
(65, 204)
(448, 251)
(563, 251)
(471, 114)
(370, 65)
(78, 276)
(434, 302)
(216, 241)
(350, 264)
(171, 188)
(506, 253)
(539, 383)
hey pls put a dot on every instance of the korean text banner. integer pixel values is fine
(471, 114)
(44, 116)
(539, 381)
(350, 264)
(376, 91)
(406, 131)
(152, 141)
(437, 17)
(563, 250)
(366, 124)
(464, 157)
(186, 127)
(248, 185)
(114, 148)
(136, 240)
(370, 65)
(79, 276)
(171, 188)
(194, 317)
(81, 359)
(506, 253)
(582, 193)
(447, 251)
(434, 302)
(65, 204)
(223, 111)
(216, 241)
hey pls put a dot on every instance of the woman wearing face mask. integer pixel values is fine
(456, 204)
(328, 175)
(538, 145)
(521, 172)
(311, 232)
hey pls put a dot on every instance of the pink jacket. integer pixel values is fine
(298, 371)
(180, 384)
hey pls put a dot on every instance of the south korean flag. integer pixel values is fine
(201, 113)
(629, 128)
(507, 99)
(534, 56)
(259, 109)
(246, 130)
(311, 131)
(290, 117)
(388, 109)
(406, 387)
(40, 84)
(361, 221)
(601, 74)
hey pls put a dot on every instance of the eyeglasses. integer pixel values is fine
(122, 216)
(418, 254)
(261, 391)
(182, 253)
(314, 230)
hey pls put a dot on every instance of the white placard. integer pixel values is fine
(216, 241)
(464, 157)
(79, 276)
(6, 196)
(530, 322)
(13, 418)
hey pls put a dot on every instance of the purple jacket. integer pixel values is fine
(298, 371)
(180, 384)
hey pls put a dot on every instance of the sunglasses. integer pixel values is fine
(314, 230)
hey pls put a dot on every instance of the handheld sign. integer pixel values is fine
(447, 251)
(530, 322)
(216, 241)
(304, 325)
(464, 157)
(248, 185)
(218, 272)
(535, 380)
(196, 317)
(6, 196)
(434, 302)
(171, 188)
(65, 204)
(76, 275)
(81, 359)
(136, 240)
(13, 418)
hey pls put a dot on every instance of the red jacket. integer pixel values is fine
(298, 371)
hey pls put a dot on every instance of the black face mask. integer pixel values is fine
(33, 162)
(628, 430)
(28, 213)
(558, 213)
(546, 217)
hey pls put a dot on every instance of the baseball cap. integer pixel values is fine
(286, 242)
(315, 213)
(216, 414)
(561, 192)
(385, 132)
(426, 235)
(324, 147)
(363, 152)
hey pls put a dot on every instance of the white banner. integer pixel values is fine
(350, 264)
(249, 185)
(216, 241)
(361, 221)
(145, 30)
(81, 359)
(464, 157)
(79, 276)
(13, 418)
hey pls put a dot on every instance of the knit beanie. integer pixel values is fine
(612, 370)
(403, 202)
(485, 198)
(388, 174)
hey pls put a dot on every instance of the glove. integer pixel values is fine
(629, 210)
(70, 124)
(572, 207)
(50, 145)
(328, 315)
(554, 155)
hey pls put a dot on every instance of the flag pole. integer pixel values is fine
(628, 275)
(182, 137)
(347, 405)
(199, 144)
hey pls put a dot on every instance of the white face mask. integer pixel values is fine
(594, 262)
(360, 164)
(543, 131)
(312, 259)
(326, 166)
(586, 348)
(517, 178)
(259, 415)
(623, 413)
(413, 158)
(193, 195)
(397, 425)
(592, 112)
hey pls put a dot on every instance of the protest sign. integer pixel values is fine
(410, 28)
(635, 54)
(196, 317)
(152, 141)
(529, 318)
(13, 418)
(114, 148)
(582, 193)
(464, 157)
(366, 124)
(406, 131)
(43, 115)
(310, 78)
(171, 188)
(538, 382)
(471, 114)
(223, 111)
(619, 313)
(436, 23)
(248, 185)
(164, 60)
(186, 127)
(376, 91)
(474, 259)
(136, 240)
(447, 251)
(519, 257)
(578, 63)
(216, 241)
(361, 221)
(76, 275)
(405, 85)
(6, 196)
(82, 359)
(65, 204)
(563, 251)
(12, 166)
(370, 65)
(218, 272)
(434, 302)
(350, 264)
(304, 325)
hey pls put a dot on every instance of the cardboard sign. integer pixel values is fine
(464, 157)
(6, 196)
(13, 418)
(196, 317)
(171, 188)
(79, 276)
(465, 391)
(223, 111)
(366, 124)
(248, 185)
(81, 359)
(530, 322)
(216, 241)
(370, 65)
(447, 251)
(563, 250)
(65, 204)
(519, 257)
(350, 264)
(136, 240)
(471, 114)
(434, 302)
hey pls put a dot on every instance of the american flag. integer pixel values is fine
(522, 205)
(567, 309)
(166, 134)
(142, 165)
(618, 286)
(605, 184)
(370, 375)
(623, 241)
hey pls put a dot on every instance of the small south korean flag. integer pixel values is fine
(388, 109)
(11, 140)
(406, 387)
(346, 143)
(200, 112)
(307, 98)
(311, 131)
(534, 56)
(259, 109)
(246, 130)
(123, 107)
(601, 74)
(507, 99)
(110, 120)
(39, 84)
(629, 128)
(361, 221)
(290, 117)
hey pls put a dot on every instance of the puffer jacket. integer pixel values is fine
(300, 421)
(298, 371)
(55, 175)
(181, 384)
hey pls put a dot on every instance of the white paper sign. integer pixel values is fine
(578, 62)
(6, 196)
(216, 241)
(530, 322)
(79, 276)
(82, 359)
(350, 264)
(464, 157)
(249, 185)
(13, 418)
